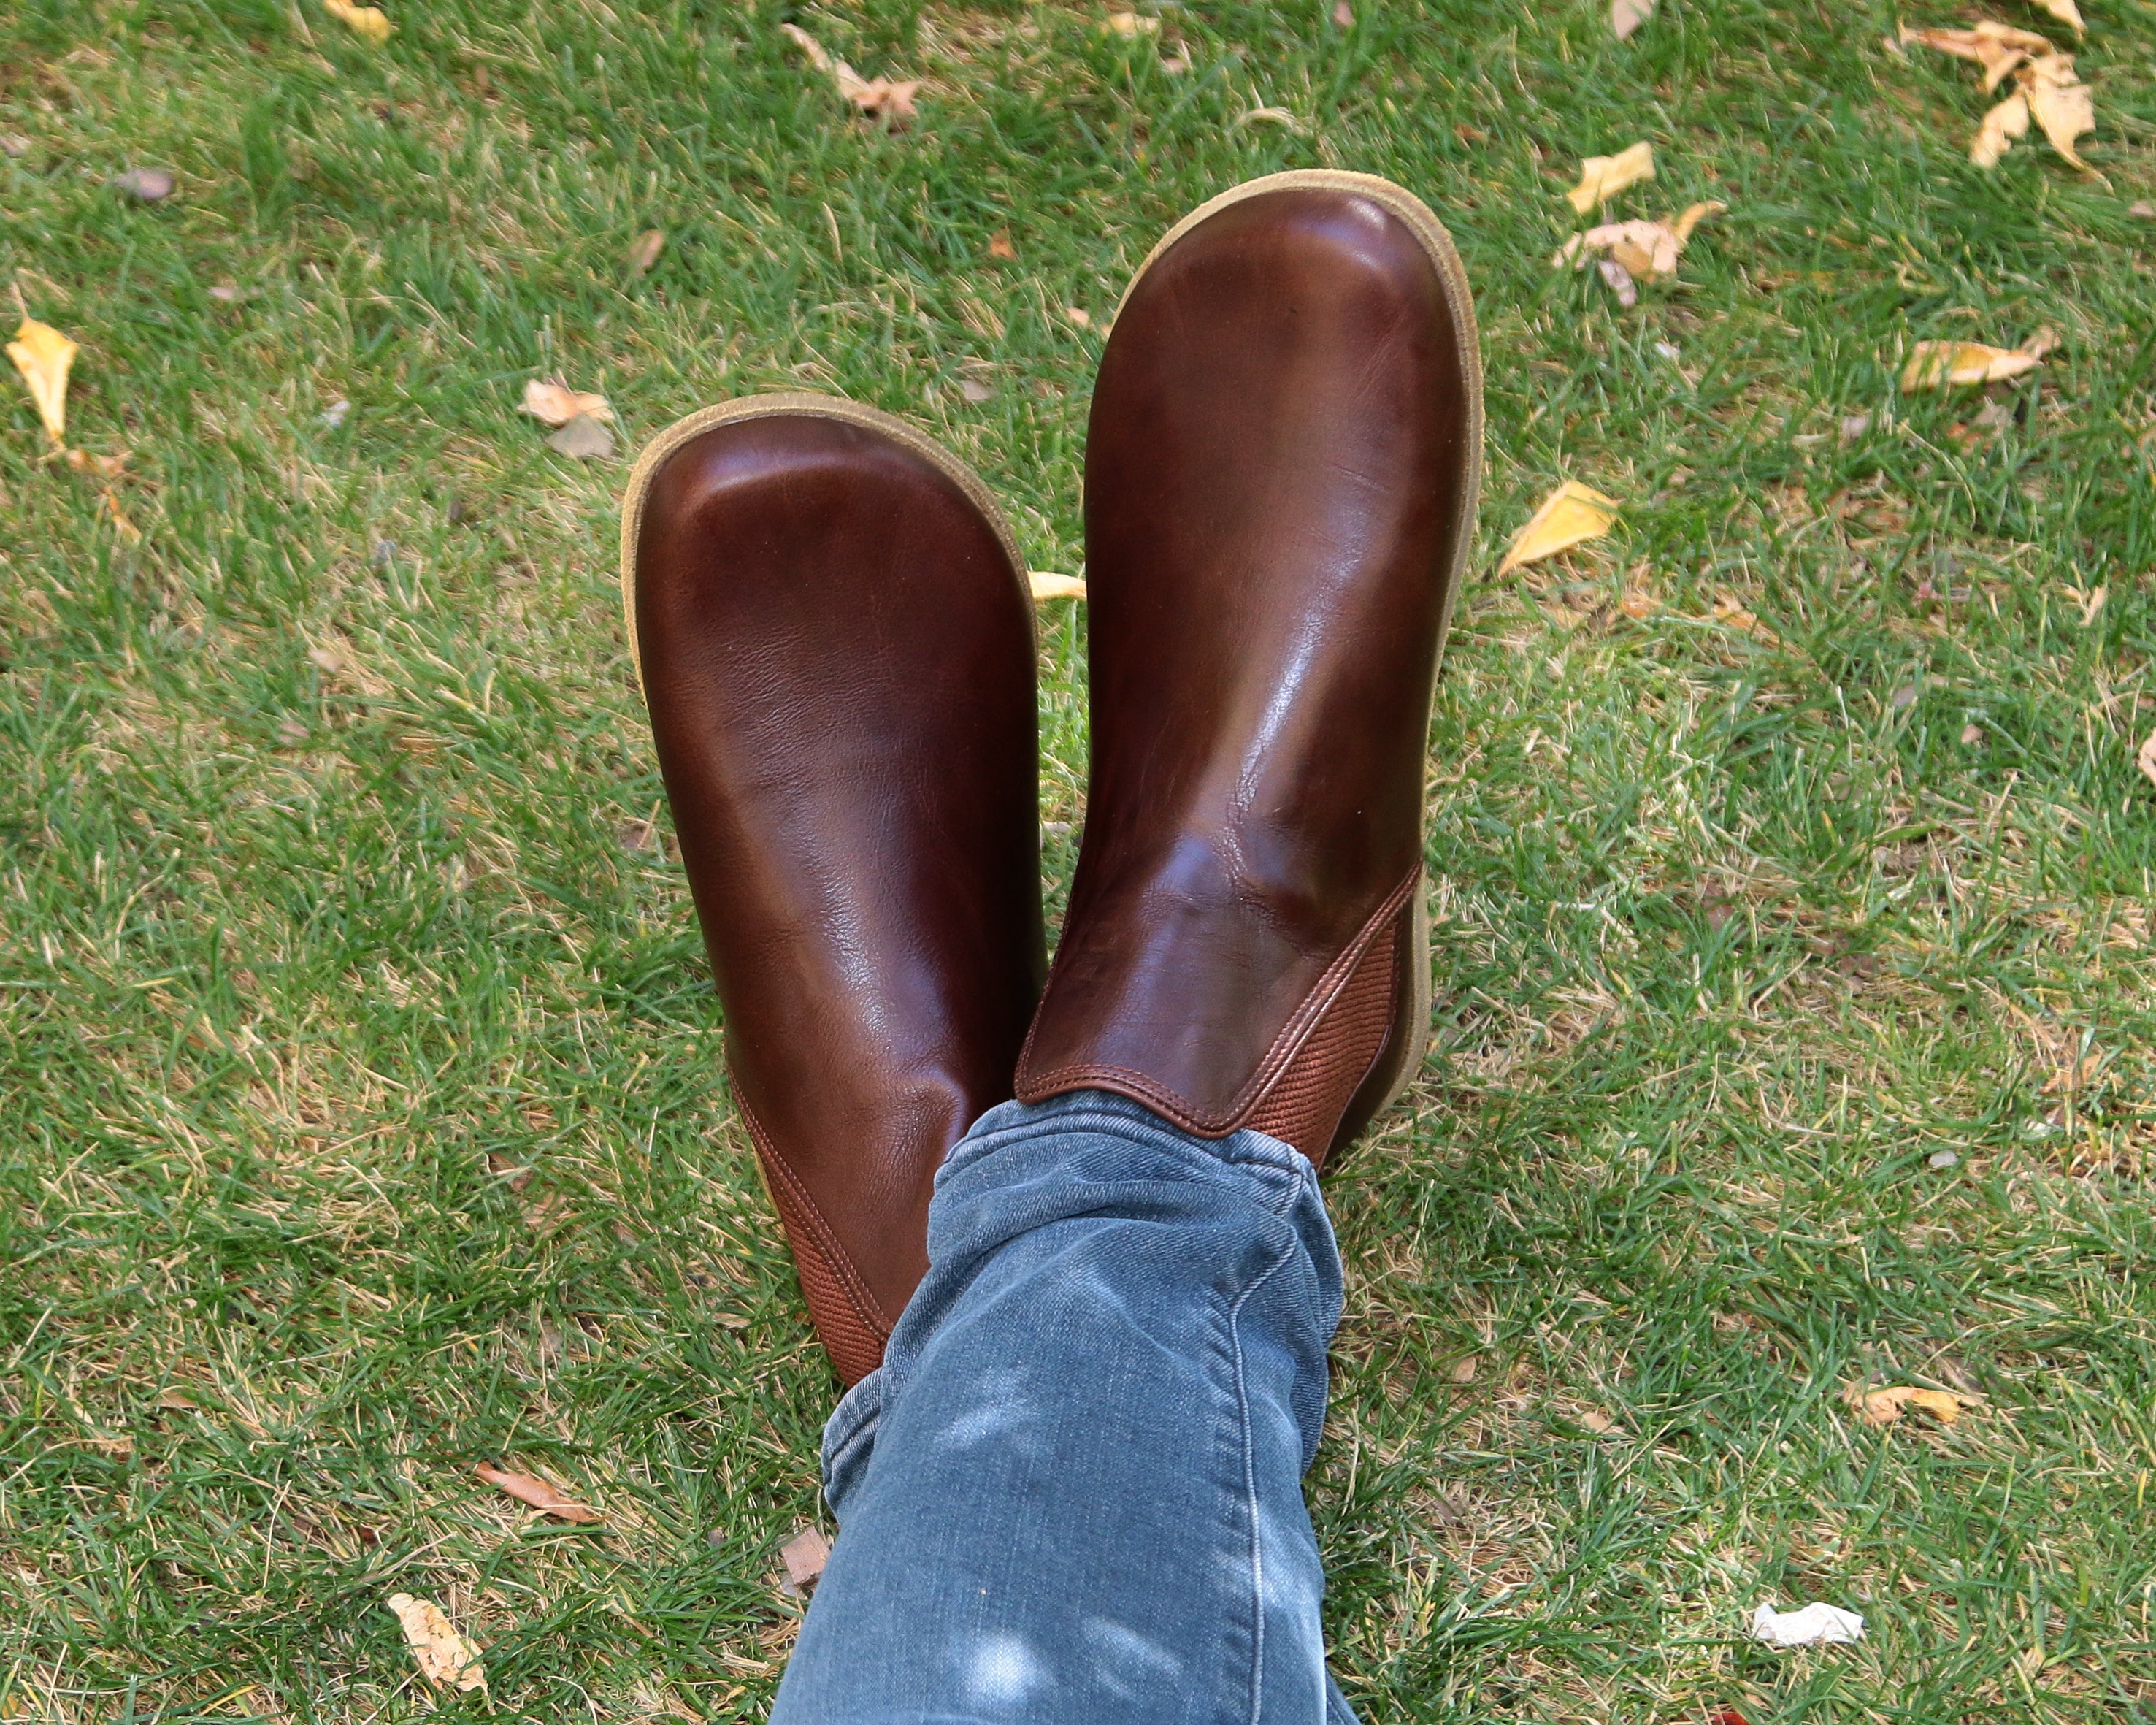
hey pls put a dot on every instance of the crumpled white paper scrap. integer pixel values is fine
(1808, 1628)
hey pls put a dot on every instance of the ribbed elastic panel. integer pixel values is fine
(1304, 1104)
(837, 1306)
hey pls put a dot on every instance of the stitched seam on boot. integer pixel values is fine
(841, 1263)
(1285, 1045)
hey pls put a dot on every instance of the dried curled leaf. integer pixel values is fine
(530, 1488)
(2064, 11)
(805, 1556)
(2048, 90)
(1938, 365)
(2004, 123)
(2059, 102)
(1883, 1407)
(2074, 1077)
(887, 99)
(109, 500)
(877, 98)
(370, 22)
(1997, 47)
(110, 466)
(556, 404)
(1643, 248)
(1602, 178)
(1569, 516)
(443, 1656)
(1732, 615)
(44, 357)
(644, 253)
(1046, 584)
(809, 46)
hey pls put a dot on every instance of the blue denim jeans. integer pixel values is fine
(1073, 1491)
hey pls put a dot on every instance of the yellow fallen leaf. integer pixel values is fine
(1129, 25)
(443, 1656)
(368, 21)
(2059, 102)
(1647, 248)
(556, 404)
(1602, 178)
(1883, 1407)
(1570, 516)
(1997, 47)
(530, 1488)
(2064, 11)
(1935, 365)
(1694, 214)
(1046, 584)
(43, 355)
(2004, 123)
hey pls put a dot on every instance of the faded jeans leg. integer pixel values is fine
(1073, 1492)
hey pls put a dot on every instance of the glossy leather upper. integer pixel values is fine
(837, 655)
(1280, 451)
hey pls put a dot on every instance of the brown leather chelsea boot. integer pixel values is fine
(1280, 478)
(835, 640)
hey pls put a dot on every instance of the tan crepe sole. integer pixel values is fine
(1438, 243)
(806, 404)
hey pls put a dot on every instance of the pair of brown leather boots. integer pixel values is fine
(835, 636)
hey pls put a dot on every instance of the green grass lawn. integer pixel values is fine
(361, 1116)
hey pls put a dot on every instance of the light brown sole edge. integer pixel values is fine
(1445, 257)
(810, 404)
(1416, 1045)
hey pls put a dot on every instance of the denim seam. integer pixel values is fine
(1111, 1110)
(1283, 1183)
(1250, 1482)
